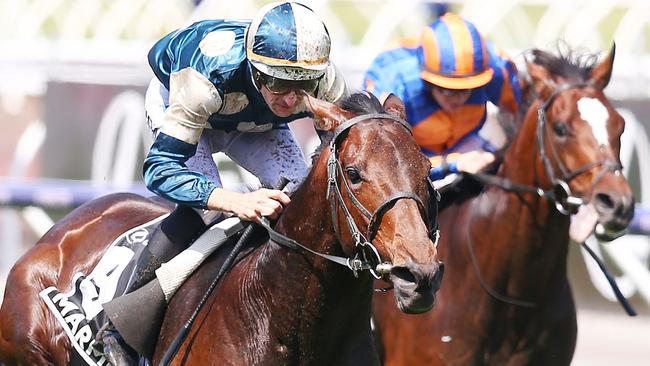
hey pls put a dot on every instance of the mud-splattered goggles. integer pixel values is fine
(280, 86)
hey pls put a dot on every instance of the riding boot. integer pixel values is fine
(174, 234)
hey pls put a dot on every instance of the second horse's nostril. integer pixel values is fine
(404, 274)
(605, 201)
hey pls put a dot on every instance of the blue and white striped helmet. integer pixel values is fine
(287, 40)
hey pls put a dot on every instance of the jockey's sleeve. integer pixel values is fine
(504, 88)
(332, 86)
(192, 99)
(443, 165)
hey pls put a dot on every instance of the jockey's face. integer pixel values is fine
(282, 105)
(450, 99)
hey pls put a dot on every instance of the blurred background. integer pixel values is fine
(72, 81)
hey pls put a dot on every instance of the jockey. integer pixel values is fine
(227, 86)
(445, 81)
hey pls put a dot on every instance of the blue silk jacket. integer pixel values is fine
(205, 69)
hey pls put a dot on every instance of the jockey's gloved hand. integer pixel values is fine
(250, 206)
(474, 161)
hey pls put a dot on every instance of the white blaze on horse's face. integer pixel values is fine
(594, 112)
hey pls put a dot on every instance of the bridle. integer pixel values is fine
(366, 256)
(560, 192)
(565, 201)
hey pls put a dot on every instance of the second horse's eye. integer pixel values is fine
(560, 129)
(353, 175)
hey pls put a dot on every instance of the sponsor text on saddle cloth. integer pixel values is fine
(80, 312)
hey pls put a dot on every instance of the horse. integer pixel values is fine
(276, 306)
(508, 299)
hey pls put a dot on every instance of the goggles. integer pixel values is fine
(280, 86)
(452, 92)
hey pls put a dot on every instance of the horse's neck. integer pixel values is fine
(540, 231)
(330, 303)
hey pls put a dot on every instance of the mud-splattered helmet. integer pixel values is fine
(287, 40)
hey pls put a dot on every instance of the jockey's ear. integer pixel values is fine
(327, 116)
(541, 78)
(602, 72)
(394, 106)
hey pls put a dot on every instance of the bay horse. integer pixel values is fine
(507, 300)
(276, 306)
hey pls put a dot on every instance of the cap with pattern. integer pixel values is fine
(455, 54)
(287, 40)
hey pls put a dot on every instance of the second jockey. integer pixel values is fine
(445, 81)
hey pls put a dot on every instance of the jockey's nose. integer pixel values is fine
(291, 98)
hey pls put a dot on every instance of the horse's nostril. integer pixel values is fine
(605, 201)
(404, 274)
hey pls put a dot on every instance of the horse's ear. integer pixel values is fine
(394, 106)
(540, 77)
(602, 72)
(327, 116)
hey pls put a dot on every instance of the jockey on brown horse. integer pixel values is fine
(510, 300)
(212, 79)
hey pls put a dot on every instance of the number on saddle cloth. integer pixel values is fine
(80, 311)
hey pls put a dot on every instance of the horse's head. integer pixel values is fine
(379, 195)
(579, 133)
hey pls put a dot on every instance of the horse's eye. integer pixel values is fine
(560, 129)
(353, 175)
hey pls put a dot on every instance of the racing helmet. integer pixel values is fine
(455, 54)
(287, 40)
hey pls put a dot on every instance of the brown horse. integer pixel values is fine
(507, 299)
(276, 306)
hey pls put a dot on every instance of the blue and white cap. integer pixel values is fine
(287, 40)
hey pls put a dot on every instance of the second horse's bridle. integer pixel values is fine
(560, 192)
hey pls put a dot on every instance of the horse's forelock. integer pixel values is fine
(361, 103)
(569, 63)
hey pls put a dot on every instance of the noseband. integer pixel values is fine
(366, 256)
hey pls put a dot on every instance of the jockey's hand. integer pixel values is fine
(250, 206)
(474, 161)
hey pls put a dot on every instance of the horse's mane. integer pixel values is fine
(361, 103)
(569, 63)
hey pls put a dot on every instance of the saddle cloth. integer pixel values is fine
(80, 312)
